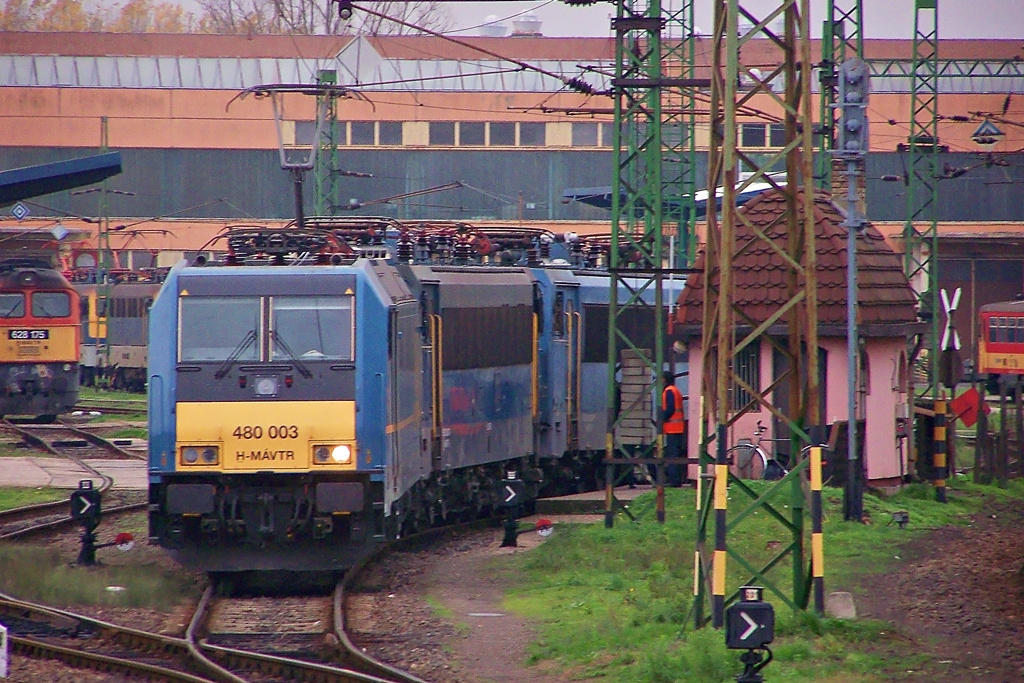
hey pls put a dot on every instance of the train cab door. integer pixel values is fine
(432, 329)
(573, 367)
(564, 378)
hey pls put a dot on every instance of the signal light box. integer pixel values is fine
(749, 623)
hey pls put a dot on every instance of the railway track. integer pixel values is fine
(248, 640)
(285, 639)
(66, 441)
(113, 406)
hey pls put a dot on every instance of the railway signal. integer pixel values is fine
(85, 502)
(750, 626)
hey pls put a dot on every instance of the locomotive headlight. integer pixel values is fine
(266, 386)
(342, 454)
(190, 455)
(210, 455)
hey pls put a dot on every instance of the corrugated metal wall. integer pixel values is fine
(251, 184)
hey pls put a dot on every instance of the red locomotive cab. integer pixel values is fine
(40, 336)
(1001, 343)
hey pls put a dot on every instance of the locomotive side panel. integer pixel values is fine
(486, 358)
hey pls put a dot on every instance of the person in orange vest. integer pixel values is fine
(674, 429)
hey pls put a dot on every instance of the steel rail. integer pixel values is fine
(352, 654)
(73, 623)
(286, 668)
(38, 649)
(42, 444)
(100, 442)
(59, 523)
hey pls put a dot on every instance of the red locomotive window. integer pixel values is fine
(12, 305)
(51, 304)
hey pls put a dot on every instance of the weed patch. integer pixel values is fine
(19, 497)
(618, 603)
(42, 575)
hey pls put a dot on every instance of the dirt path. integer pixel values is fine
(959, 595)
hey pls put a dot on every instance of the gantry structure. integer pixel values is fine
(920, 232)
(653, 216)
(728, 330)
(649, 89)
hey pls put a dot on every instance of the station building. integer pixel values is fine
(423, 113)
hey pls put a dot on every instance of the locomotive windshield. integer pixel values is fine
(216, 328)
(311, 327)
(12, 305)
(51, 304)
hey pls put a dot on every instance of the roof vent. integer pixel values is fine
(526, 25)
(492, 28)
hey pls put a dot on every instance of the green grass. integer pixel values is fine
(92, 393)
(19, 497)
(129, 433)
(42, 574)
(616, 603)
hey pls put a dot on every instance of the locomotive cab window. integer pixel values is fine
(51, 304)
(12, 305)
(216, 328)
(311, 328)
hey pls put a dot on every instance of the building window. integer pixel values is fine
(752, 135)
(442, 133)
(471, 134)
(747, 367)
(503, 134)
(390, 132)
(304, 131)
(584, 134)
(777, 135)
(532, 135)
(362, 133)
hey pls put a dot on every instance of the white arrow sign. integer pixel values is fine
(751, 626)
(511, 493)
(86, 504)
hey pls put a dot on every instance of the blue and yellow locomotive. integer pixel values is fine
(308, 399)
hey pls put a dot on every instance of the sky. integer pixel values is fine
(882, 18)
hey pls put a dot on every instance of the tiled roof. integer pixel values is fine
(884, 296)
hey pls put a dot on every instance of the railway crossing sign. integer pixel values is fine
(85, 501)
(951, 365)
(950, 337)
(749, 623)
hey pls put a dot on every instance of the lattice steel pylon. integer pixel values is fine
(727, 329)
(654, 156)
(842, 37)
(326, 198)
(920, 232)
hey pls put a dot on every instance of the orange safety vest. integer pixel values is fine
(674, 424)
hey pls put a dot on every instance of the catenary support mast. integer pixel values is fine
(727, 331)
